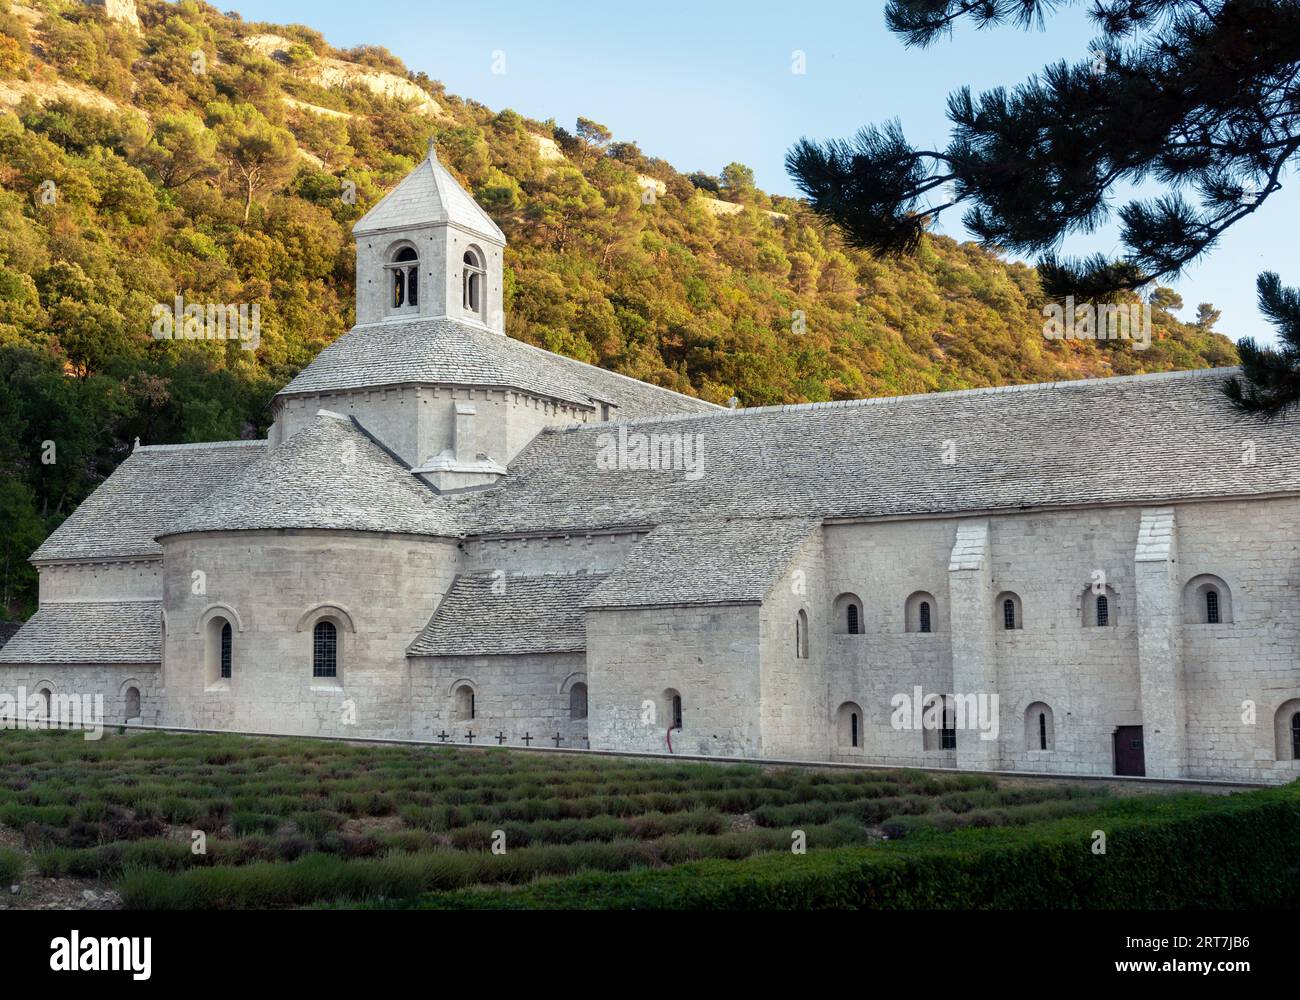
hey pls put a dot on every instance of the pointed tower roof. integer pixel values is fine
(428, 195)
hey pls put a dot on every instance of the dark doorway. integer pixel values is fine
(1129, 757)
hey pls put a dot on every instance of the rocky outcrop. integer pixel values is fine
(326, 71)
(119, 10)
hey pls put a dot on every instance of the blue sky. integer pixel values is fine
(701, 85)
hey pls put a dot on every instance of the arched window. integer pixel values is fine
(846, 615)
(404, 279)
(921, 613)
(218, 647)
(1100, 606)
(325, 650)
(673, 701)
(939, 723)
(578, 701)
(133, 702)
(1009, 616)
(475, 276)
(465, 707)
(801, 635)
(1040, 729)
(1207, 601)
(1286, 730)
(848, 726)
(227, 649)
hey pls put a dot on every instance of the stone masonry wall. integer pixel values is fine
(794, 692)
(110, 580)
(514, 696)
(709, 654)
(267, 584)
(111, 680)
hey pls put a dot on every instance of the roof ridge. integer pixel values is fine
(838, 404)
(201, 445)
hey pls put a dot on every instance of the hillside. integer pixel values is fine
(225, 161)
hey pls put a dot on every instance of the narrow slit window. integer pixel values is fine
(1212, 606)
(925, 616)
(227, 649)
(853, 619)
(1042, 730)
(1103, 610)
(1009, 614)
(948, 734)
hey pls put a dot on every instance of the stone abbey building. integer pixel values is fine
(450, 534)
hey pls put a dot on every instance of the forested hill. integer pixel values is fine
(199, 155)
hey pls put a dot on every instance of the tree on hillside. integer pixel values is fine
(262, 157)
(737, 181)
(1207, 316)
(1199, 96)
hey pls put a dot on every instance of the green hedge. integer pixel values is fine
(1226, 852)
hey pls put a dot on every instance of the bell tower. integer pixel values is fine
(426, 250)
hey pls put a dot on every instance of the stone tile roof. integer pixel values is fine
(428, 195)
(485, 615)
(446, 351)
(1137, 440)
(331, 474)
(704, 562)
(154, 485)
(97, 632)
(7, 630)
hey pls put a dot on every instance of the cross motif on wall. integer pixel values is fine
(528, 739)
(442, 737)
(558, 739)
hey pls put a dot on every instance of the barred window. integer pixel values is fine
(227, 649)
(1103, 610)
(925, 616)
(853, 620)
(1295, 736)
(1042, 730)
(677, 711)
(1212, 606)
(1009, 614)
(948, 734)
(325, 650)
